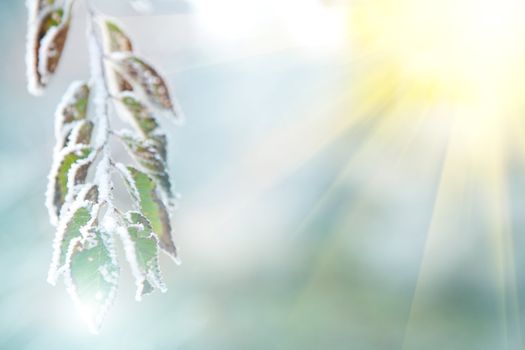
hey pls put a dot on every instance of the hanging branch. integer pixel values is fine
(80, 190)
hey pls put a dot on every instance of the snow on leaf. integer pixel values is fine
(59, 183)
(143, 189)
(92, 275)
(141, 246)
(149, 79)
(80, 215)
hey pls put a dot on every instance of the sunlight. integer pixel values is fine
(313, 24)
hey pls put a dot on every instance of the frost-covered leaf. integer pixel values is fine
(149, 79)
(144, 191)
(142, 252)
(92, 275)
(82, 133)
(36, 8)
(149, 154)
(68, 170)
(74, 104)
(47, 34)
(71, 112)
(115, 40)
(81, 214)
(140, 115)
(50, 50)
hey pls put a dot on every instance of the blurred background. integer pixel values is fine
(351, 174)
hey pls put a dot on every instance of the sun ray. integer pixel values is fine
(447, 243)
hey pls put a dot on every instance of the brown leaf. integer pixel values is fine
(144, 190)
(148, 153)
(149, 79)
(74, 104)
(51, 51)
(82, 133)
(48, 30)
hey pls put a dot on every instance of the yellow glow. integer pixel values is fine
(461, 49)
(463, 60)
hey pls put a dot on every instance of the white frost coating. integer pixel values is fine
(92, 319)
(70, 249)
(129, 248)
(31, 60)
(51, 179)
(45, 50)
(99, 92)
(36, 62)
(73, 189)
(67, 99)
(55, 269)
(103, 179)
(59, 151)
(166, 197)
(75, 131)
(128, 133)
(123, 170)
(152, 273)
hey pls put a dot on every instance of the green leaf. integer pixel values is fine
(80, 216)
(144, 191)
(69, 170)
(141, 116)
(115, 40)
(149, 79)
(142, 252)
(92, 276)
(149, 154)
(74, 105)
(71, 110)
